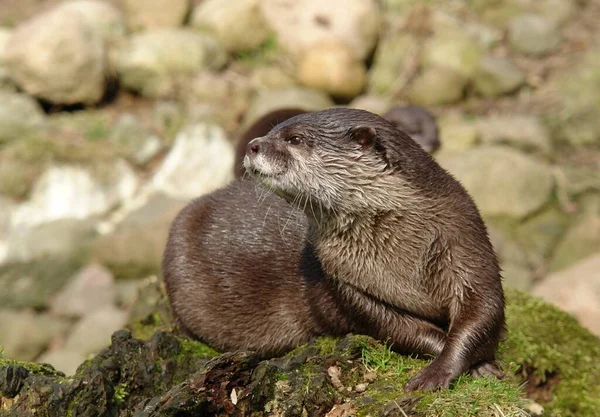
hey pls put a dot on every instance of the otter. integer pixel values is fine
(418, 123)
(378, 240)
(414, 120)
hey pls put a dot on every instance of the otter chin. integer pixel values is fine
(388, 224)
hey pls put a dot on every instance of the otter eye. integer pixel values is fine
(293, 140)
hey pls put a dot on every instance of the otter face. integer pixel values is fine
(331, 160)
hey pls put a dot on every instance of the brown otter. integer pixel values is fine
(418, 123)
(414, 120)
(391, 246)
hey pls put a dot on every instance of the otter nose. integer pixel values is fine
(253, 146)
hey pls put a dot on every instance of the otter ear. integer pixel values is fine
(365, 136)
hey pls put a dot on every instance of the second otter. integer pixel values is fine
(394, 247)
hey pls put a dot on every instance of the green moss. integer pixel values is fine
(120, 393)
(264, 52)
(194, 348)
(327, 345)
(466, 397)
(543, 344)
(32, 367)
(545, 341)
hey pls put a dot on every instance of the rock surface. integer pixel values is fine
(20, 115)
(65, 238)
(91, 289)
(533, 34)
(304, 24)
(200, 161)
(58, 56)
(502, 181)
(576, 290)
(580, 241)
(134, 249)
(150, 14)
(296, 97)
(525, 132)
(92, 333)
(437, 85)
(497, 76)
(24, 334)
(238, 24)
(65, 192)
(345, 77)
(158, 63)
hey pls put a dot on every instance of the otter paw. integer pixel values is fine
(487, 369)
(431, 378)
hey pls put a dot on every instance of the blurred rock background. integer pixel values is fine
(114, 114)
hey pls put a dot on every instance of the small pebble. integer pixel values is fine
(361, 387)
(370, 376)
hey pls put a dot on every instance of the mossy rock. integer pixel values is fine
(169, 375)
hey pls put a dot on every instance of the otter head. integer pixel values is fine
(334, 161)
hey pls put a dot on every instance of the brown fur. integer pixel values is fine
(390, 246)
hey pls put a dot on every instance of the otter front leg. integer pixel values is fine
(475, 330)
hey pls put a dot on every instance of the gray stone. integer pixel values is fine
(91, 289)
(238, 24)
(304, 98)
(533, 34)
(345, 77)
(127, 292)
(556, 11)
(31, 284)
(24, 334)
(66, 361)
(64, 192)
(20, 115)
(576, 290)
(540, 233)
(140, 145)
(497, 76)
(372, 103)
(58, 56)
(150, 14)
(581, 240)
(159, 63)
(271, 77)
(104, 18)
(393, 58)
(437, 85)
(134, 249)
(579, 92)
(200, 161)
(304, 24)
(5, 82)
(502, 181)
(92, 333)
(452, 50)
(67, 238)
(457, 134)
(522, 131)
(517, 276)
(6, 209)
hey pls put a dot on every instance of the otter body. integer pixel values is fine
(390, 245)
